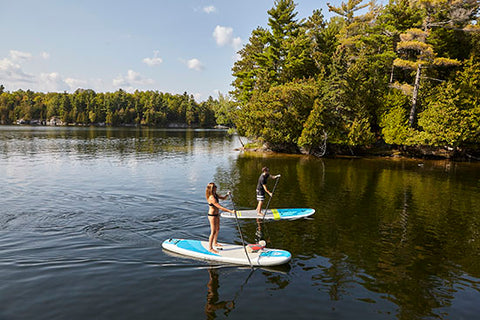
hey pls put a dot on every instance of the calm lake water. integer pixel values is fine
(84, 211)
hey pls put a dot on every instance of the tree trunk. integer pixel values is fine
(391, 73)
(413, 111)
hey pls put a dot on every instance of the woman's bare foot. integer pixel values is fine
(218, 245)
(212, 250)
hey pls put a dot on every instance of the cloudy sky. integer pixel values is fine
(171, 46)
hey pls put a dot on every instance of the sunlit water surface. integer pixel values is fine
(83, 213)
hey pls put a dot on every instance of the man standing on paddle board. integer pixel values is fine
(262, 188)
(213, 215)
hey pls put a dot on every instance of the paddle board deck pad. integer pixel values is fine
(228, 253)
(272, 214)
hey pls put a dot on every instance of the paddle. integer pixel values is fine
(273, 191)
(239, 230)
(259, 233)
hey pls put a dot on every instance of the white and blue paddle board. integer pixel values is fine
(272, 214)
(228, 253)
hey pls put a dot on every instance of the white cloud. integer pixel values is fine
(195, 64)
(224, 36)
(11, 72)
(131, 81)
(209, 9)
(237, 43)
(52, 77)
(155, 61)
(237, 57)
(13, 76)
(197, 96)
(18, 55)
(52, 82)
(74, 84)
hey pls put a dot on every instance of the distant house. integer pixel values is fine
(54, 121)
(23, 121)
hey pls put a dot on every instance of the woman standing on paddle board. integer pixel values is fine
(214, 215)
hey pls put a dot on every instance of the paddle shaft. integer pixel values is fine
(240, 231)
(270, 199)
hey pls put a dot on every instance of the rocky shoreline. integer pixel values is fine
(380, 150)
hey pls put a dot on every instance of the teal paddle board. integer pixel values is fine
(272, 214)
(228, 253)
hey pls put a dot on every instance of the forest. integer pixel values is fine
(86, 107)
(403, 75)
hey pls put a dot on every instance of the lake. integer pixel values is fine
(84, 211)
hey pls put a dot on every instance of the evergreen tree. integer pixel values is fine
(276, 56)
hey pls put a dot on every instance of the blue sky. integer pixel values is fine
(171, 46)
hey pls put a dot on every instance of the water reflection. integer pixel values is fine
(93, 142)
(397, 237)
(216, 307)
(214, 303)
(407, 230)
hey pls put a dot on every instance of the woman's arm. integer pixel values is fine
(222, 197)
(216, 204)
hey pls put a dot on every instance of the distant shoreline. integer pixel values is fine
(104, 125)
(332, 151)
(384, 151)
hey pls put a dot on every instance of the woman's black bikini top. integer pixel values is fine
(216, 198)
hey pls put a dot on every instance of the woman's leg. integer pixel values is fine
(213, 234)
(217, 231)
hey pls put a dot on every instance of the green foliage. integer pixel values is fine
(452, 115)
(86, 107)
(300, 80)
(394, 122)
(400, 15)
(276, 56)
(323, 39)
(347, 10)
(360, 132)
(316, 126)
(224, 110)
(443, 123)
(277, 116)
(349, 61)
